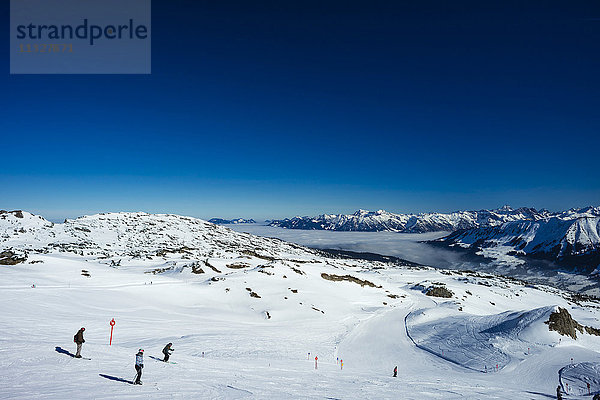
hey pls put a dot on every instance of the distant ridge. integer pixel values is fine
(221, 221)
(376, 221)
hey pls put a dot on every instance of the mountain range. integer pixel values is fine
(376, 221)
(221, 221)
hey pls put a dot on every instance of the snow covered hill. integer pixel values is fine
(248, 315)
(381, 220)
(136, 235)
(574, 242)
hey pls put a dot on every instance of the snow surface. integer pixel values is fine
(575, 378)
(166, 278)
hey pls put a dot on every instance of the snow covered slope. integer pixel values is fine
(411, 223)
(248, 315)
(569, 241)
(137, 235)
(581, 378)
(480, 343)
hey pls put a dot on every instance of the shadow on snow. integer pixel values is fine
(114, 378)
(60, 350)
(542, 394)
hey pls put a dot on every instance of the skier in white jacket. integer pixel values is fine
(139, 364)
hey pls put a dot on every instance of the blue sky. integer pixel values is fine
(272, 110)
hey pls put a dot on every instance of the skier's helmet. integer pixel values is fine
(141, 350)
(83, 329)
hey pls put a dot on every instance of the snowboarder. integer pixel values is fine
(78, 339)
(558, 393)
(167, 351)
(396, 371)
(139, 364)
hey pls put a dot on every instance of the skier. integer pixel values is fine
(139, 364)
(167, 351)
(558, 393)
(395, 371)
(78, 338)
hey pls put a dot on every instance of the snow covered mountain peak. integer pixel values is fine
(22, 218)
(22, 228)
(362, 213)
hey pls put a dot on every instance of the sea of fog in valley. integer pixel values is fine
(411, 247)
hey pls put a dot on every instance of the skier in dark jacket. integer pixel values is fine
(395, 371)
(78, 339)
(167, 351)
(139, 364)
(558, 393)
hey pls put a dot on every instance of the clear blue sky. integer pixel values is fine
(281, 108)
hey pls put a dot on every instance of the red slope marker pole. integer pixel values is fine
(112, 325)
(316, 358)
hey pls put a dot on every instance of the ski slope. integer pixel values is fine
(174, 279)
(576, 377)
(480, 343)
